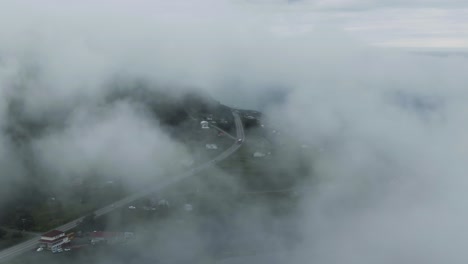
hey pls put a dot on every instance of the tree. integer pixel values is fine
(17, 235)
(88, 223)
(24, 221)
(2, 233)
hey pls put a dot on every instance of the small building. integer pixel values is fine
(110, 237)
(204, 125)
(163, 203)
(53, 240)
(77, 181)
(259, 155)
(211, 146)
(188, 207)
(187, 163)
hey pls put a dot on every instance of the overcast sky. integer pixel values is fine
(412, 24)
(404, 24)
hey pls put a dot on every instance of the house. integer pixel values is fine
(109, 237)
(187, 163)
(100, 236)
(253, 257)
(259, 155)
(53, 240)
(211, 146)
(223, 121)
(77, 181)
(163, 203)
(188, 207)
(204, 125)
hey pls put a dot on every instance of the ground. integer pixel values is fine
(225, 201)
(12, 237)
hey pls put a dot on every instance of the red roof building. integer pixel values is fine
(109, 237)
(53, 240)
(53, 234)
(102, 234)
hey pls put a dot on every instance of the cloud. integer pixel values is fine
(411, 28)
(391, 177)
(121, 142)
(389, 186)
(371, 4)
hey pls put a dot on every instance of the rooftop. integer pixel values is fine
(102, 234)
(53, 233)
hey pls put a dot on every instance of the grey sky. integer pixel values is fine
(407, 24)
(402, 24)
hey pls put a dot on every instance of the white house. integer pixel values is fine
(204, 125)
(211, 146)
(188, 207)
(163, 202)
(259, 155)
(110, 237)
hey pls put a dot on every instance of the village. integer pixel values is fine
(89, 234)
(182, 206)
(57, 241)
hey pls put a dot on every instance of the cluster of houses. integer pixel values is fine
(205, 123)
(110, 237)
(58, 241)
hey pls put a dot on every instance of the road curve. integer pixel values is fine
(223, 131)
(28, 245)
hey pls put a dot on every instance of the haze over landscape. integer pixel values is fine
(377, 89)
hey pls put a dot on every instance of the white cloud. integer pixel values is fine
(121, 142)
(392, 184)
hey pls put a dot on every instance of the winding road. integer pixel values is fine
(29, 245)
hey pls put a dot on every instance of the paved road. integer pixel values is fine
(20, 231)
(225, 133)
(19, 249)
